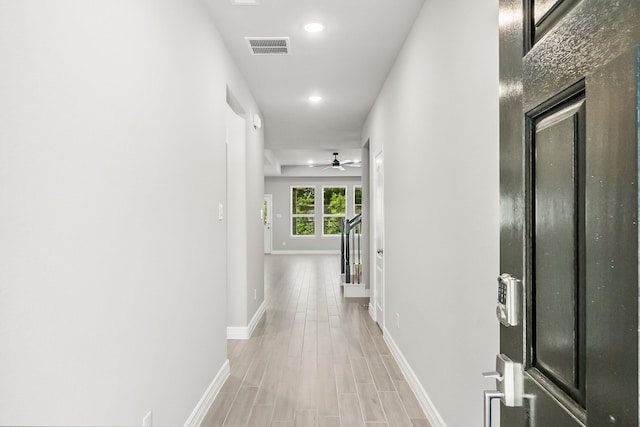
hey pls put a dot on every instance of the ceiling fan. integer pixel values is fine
(337, 164)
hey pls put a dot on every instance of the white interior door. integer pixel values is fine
(266, 216)
(378, 236)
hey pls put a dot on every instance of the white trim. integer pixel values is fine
(244, 332)
(353, 204)
(309, 252)
(257, 317)
(377, 218)
(372, 311)
(203, 406)
(355, 290)
(433, 416)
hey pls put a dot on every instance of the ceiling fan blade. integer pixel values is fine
(353, 165)
(340, 168)
(328, 167)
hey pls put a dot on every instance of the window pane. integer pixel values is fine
(303, 226)
(303, 200)
(335, 200)
(357, 203)
(332, 225)
(265, 213)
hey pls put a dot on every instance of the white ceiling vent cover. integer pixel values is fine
(269, 45)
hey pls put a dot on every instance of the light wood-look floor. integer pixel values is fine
(316, 358)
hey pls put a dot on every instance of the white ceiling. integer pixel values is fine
(346, 64)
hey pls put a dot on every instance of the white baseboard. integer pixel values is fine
(203, 406)
(355, 290)
(433, 416)
(244, 332)
(372, 311)
(307, 252)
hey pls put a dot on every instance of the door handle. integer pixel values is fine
(380, 252)
(509, 385)
(488, 398)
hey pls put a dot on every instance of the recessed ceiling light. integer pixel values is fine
(315, 99)
(246, 2)
(314, 27)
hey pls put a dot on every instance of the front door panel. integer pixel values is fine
(557, 310)
(612, 265)
(569, 207)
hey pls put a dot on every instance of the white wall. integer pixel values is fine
(254, 191)
(280, 188)
(236, 212)
(112, 165)
(437, 118)
(245, 184)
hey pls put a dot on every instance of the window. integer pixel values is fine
(265, 213)
(334, 209)
(357, 199)
(303, 206)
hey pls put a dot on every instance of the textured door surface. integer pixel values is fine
(569, 207)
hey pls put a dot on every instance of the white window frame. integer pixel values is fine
(354, 199)
(294, 215)
(346, 209)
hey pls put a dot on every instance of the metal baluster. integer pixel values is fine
(347, 273)
(343, 227)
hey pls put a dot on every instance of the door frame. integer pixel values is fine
(268, 216)
(377, 227)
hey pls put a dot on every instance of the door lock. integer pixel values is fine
(509, 385)
(508, 300)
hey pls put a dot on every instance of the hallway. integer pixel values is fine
(316, 359)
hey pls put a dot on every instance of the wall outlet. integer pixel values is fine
(284, 243)
(398, 320)
(220, 211)
(255, 294)
(146, 421)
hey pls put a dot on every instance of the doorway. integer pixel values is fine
(378, 237)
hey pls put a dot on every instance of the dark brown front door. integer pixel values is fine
(569, 207)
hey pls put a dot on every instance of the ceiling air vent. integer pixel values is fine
(269, 45)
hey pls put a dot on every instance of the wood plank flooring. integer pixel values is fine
(315, 360)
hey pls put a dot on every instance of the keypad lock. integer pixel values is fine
(508, 300)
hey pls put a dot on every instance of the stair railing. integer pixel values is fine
(351, 232)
